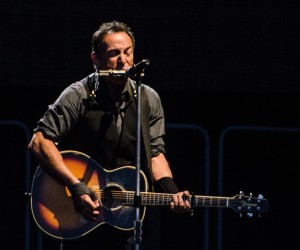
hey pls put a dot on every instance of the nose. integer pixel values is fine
(122, 58)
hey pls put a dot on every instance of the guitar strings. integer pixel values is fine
(127, 197)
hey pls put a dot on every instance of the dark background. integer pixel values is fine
(228, 76)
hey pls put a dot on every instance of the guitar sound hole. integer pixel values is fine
(111, 197)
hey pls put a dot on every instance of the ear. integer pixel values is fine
(95, 59)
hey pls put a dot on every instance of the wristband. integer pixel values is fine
(168, 185)
(81, 188)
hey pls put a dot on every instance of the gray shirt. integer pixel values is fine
(69, 107)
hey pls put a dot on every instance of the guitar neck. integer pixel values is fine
(163, 199)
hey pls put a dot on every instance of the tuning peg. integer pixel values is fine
(250, 197)
(260, 196)
(250, 215)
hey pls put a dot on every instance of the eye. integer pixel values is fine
(112, 53)
(128, 52)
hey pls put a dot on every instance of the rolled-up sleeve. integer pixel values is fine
(157, 122)
(62, 115)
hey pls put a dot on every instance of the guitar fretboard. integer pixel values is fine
(163, 199)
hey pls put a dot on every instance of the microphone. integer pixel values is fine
(137, 69)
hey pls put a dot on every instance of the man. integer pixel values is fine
(97, 116)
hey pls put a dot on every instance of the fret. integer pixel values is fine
(144, 199)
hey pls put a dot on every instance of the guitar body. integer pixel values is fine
(53, 209)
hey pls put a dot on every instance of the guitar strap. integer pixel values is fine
(145, 110)
(145, 129)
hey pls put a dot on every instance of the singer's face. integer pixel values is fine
(116, 52)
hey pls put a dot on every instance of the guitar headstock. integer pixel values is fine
(249, 204)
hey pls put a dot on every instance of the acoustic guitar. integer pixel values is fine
(55, 214)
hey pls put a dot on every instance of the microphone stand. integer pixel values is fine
(136, 72)
(137, 197)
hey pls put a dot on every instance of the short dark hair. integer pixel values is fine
(110, 27)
